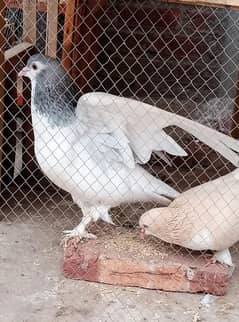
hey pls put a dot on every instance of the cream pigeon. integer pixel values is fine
(92, 145)
(205, 217)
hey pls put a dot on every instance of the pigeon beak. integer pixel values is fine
(24, 72)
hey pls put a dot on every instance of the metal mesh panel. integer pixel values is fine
(178, 58)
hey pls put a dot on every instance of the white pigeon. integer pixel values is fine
(91, 145)
(205, 217)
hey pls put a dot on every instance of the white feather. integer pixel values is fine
(143, 124)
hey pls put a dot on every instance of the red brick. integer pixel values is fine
(91, 261)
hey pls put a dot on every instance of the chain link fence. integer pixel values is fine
(181, 59)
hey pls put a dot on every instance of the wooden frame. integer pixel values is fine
(51, 30)
(9, 54)
(208, 3)
(80, 34)
(41, 6)
(30, 24)
(8, 79)
(29, 21)
(77, 38)
(68, 33)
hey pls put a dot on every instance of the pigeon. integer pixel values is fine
(93, 145)
(205, 217)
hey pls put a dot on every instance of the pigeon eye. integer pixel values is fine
(34, 66)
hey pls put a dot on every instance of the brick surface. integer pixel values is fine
(170, 271)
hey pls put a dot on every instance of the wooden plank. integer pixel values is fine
(2, 26)
(209, 3)
(80, 46)
(16, 50)
(83, 25)
(41, 6)
(29, 21)
(74, 40)
(68, 33)
(51, 31)
(216, 3)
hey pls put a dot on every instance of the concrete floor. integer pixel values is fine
(33, 289)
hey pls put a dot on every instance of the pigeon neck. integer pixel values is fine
(56, 102)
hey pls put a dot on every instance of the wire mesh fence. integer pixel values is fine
(70, 157)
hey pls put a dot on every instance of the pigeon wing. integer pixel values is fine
(104, 140)
(143, 126)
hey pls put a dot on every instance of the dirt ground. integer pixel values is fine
(33, 289)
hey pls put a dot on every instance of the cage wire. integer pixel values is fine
(180, 58)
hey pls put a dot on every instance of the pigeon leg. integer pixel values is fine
(79, 232)
(89, 214)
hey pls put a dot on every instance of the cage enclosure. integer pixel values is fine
(177, 57)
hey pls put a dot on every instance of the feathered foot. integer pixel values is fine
(80, 232)
(76, 236)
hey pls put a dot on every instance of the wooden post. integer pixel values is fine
(80, 46)
(51, 31)
(2, 23)
(29, 21)
(68, 33)
(81, 58)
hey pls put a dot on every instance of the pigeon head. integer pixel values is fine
(145, 222)
(36, 65)
(54, 93)
(158, 222)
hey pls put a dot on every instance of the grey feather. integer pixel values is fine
(56, 95)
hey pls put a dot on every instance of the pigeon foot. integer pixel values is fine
(76, 237)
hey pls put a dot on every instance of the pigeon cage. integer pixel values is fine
(181, 59)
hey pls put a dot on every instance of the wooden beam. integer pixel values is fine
(16, 50)
(209, 3)
(29, 21)
(68, 33)
(80, 46)
(41, 6)
(51, 31)
(2, 75)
